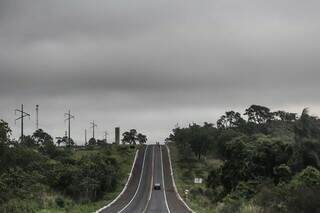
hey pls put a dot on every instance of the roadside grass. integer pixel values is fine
(123, 155)
(184, 174)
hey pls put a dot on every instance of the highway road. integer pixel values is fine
(152, 165)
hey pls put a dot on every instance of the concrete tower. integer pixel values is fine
(117, 135)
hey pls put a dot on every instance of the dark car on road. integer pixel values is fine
(157, 186)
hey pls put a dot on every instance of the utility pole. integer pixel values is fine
(23, 114)
(69, 117)
(85, 136)
(37, 117)
(93, 126)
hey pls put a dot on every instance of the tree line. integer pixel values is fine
(35, 167)
(271, 159)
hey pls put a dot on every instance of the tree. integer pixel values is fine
(199, 140)
(208, 125)
(42, 137)
(180, 136)
(258, 114)
(126, 137)
(307, 126)
(5, 132)
(65, 140)
(129, 137)
(69, 143)
(230, 119)
(194, 139)
(307, 137)
(133, 136)
(60, 141)
(49, 148)
(102, 142)
(28, 141)
(142, 139)
(285, 116)
(92, 141)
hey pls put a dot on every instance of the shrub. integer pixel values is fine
(309, 177)
(229, 205)
(300, 195)
(282, 173)
(19, 206)
(304, 190)
(59, 201)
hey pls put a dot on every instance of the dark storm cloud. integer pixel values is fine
(156, 63)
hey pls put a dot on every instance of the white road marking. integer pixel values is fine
(150, 192)
(174, 183)
(163, 186)
(135, 194)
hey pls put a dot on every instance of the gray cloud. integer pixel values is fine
(149, 65)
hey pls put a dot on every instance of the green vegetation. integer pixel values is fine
(185, 171)
(38, 176)
(265, 162)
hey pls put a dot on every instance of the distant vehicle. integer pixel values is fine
(157, 186)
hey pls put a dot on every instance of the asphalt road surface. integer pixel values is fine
(152, 166)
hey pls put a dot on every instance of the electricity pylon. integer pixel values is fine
(23, 114)
(69, 117)
(93, 126)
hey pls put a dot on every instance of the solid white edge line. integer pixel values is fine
(124, 188)
(163, 186)
(174, 184)
(150, 192)
(135, 194)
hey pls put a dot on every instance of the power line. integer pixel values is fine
(93, 125)
(23, 114)
(69, 117)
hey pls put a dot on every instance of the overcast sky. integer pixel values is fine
(149, 65)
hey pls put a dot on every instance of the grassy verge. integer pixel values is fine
(125, 161)
(184, 174)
